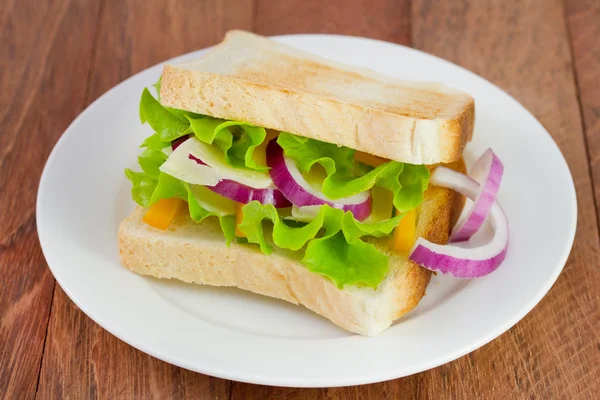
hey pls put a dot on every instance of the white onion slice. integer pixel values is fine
(289, 181)
(244, 194)
(487, 171)
(182, 166)
(463, 262)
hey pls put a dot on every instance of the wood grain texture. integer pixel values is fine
(380, 19)
(82, 360)
(77, 350)
(55, 58)
(42, 91)
(584, 26)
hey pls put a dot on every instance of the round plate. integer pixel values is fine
(83, 196)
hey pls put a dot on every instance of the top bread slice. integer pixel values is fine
(251, 78)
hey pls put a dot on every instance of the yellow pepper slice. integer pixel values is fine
(405, 232)
(369, 159)
(260, 157)
(239, 216)
(161, 213)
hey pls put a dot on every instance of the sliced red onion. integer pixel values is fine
(175, 143)
(289, 180)
(487, 171)
(193, 157)
(463, 262)
(245, 194)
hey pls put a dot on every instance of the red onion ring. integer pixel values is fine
(290, 182)
(487, 171)
(194, 158)
(175, 143)
(458, 261)
(245, 194)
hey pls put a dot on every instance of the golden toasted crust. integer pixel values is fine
(197, 253)
(253, 79)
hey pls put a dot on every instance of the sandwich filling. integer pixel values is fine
(276, 189)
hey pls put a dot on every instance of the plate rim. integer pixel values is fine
(295, 381)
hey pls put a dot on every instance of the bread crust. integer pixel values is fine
(250, 78)
(197, 253)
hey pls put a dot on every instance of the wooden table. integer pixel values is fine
(57, 56)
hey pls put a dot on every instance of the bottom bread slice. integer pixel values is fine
(196, 253)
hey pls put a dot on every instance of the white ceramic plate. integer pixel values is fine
(83, 195)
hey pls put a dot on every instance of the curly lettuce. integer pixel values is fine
(236, 139)
(238, 146)
(406, 182)
(332, 241)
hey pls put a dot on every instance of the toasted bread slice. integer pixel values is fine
(197, 253)
(250, 78)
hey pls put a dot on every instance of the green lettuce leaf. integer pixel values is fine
(346, 263)
(284, 235)
(236, 139)
(153, 142)
(332, 240)
(238, 146)
(142, 186)
(308, 152)
(228, 227)
(167, 125)
(169, 187)
(406, 182)
(198, 212)
(354, 229)
(150, 160)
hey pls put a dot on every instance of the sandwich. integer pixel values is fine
(325, 185)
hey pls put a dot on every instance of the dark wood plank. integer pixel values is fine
(82, 360)
(377, 19)
(42, 85)
(583, 17)
(523, 47)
